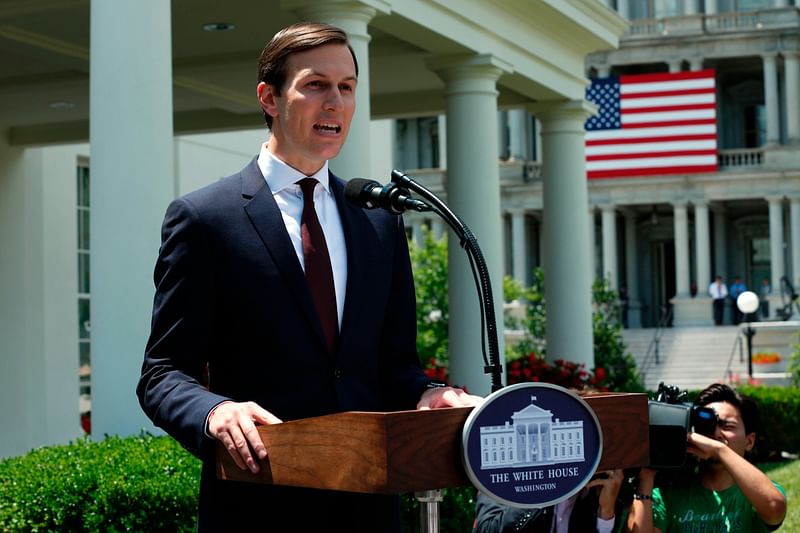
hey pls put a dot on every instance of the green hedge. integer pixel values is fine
(779, 409)
(142, 483)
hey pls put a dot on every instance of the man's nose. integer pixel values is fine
(333, 100)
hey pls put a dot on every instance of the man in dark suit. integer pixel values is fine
(252, 324)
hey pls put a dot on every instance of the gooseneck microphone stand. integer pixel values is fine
(480, 273)
(430, 499)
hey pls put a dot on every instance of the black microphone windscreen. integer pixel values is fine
(354, 190)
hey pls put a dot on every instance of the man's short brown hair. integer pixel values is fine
(272, 65)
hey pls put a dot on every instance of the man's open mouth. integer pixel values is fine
(328, 128)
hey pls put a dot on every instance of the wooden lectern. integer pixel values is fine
(409, 451)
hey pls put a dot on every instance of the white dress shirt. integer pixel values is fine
(282, 181)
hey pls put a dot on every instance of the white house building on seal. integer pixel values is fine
(532, 437)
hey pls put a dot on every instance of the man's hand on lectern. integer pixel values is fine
(234, 425)
(447, 397)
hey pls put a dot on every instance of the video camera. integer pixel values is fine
(671, 418)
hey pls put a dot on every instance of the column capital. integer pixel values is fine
(769, 56)
(516, 211)
(605, 208)
(563, 115)
(774, 199)
(680, 204)
(469, 66)
(335, 10)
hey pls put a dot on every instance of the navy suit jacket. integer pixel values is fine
(233, 319)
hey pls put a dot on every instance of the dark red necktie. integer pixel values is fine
(319, 273)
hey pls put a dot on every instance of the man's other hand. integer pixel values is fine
(234, 425)
(447, 397)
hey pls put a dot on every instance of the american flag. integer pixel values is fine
(652, 124)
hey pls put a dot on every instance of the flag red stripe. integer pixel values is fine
(671, 123)
(666, 108)
(665, 138)
(654, 155)
(677, 92)
(667, 76)
(623, 173)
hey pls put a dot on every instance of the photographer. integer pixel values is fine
(727, 492)
(596, 508)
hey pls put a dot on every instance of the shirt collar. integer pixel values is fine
(279, 175)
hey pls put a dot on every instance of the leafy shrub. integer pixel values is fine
(616, 367)
(429, 263)
(142, 483)
(779, 410)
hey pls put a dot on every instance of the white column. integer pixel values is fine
(352, 17)
(132, 165)
(437, 228)
(711, 7)
(473, 191)
(695, 64)
(592, 245)
(603, 71)
(609, 222)
(568, 282)
(780, 3)
(681, 250)
(442, 123)
(632, 270)
(720, 245)
(771, 98)
(776, 240)
(675, 65)
(416, 230)
(791, 68)
(794, 232)
(689, 7)
(38, 298)
(702, 247)
(519, 250)
(622, 8)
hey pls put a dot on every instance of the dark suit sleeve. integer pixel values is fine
(402, 375)
(495, 517)
(171, 389)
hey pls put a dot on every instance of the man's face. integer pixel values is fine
(731, 428)
(311, 116)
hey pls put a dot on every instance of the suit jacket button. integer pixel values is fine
(337, 373)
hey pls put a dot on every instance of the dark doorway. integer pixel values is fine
(663, 276)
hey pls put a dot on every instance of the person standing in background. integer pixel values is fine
(718, 292)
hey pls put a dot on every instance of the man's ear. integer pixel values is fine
(266, 98)
(750, 440)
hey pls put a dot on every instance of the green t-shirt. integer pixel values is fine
(691, 508)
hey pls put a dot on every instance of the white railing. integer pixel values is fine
(732, 21)
(744, 157)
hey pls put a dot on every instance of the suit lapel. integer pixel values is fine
(265, 215)
(362, 260)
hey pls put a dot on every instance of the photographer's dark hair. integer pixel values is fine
(719, 392)
(299, 37)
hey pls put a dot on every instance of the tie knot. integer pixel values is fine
(307, 186)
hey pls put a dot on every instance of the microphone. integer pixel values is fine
(370, 194)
